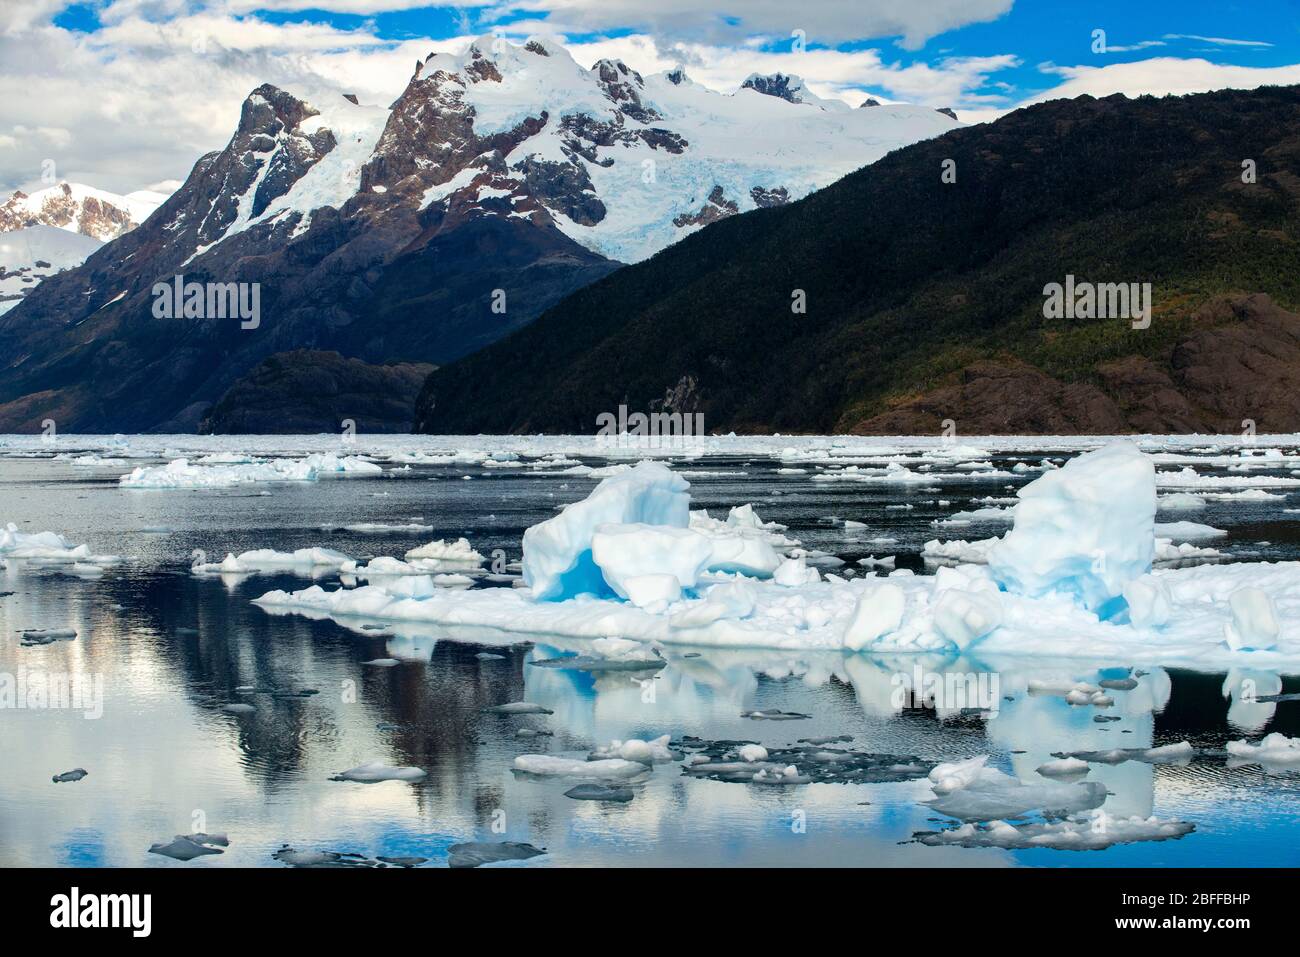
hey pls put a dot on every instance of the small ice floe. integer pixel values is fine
(30, 637)
(186, 847)
(1118, 684)
(774, 714)
(1077, 693)
(1088, 833)
(488, 656)
(1187, 531)
(382, 663)
(476, 853)
(599, 792)
(634, 749)
(827, 739)
(1064, 768)
(379, 528)
(377, 771)
(302, 561)
(547, 765)
(970, 791)
(1179, 753)
(180, 474)
(76, 774)
(787, 775)
(335, 859)
(48, 548)
(742, 762)
(519, 707)
(238, 708)
(1275, 748)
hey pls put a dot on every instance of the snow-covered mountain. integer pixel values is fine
(622, 164)
(391, 233)
(29, 255)
(79, 209)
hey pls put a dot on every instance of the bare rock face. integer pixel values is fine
(1243, 368)
(767, 198)
(1001, 398)
(717, 207)
(308, 391)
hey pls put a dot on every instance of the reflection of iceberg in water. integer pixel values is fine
(1242, 687)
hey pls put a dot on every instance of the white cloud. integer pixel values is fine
(824, 21)
(1160, 76)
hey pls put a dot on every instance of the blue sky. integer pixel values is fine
(127, 93)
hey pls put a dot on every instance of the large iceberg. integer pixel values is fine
(1084, 530)
(558, 562)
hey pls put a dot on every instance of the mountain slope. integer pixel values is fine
(910, 280)
(499, 181)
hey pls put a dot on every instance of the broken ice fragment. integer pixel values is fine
(489, 852)
(76, 774)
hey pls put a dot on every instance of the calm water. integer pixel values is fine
(172, 649)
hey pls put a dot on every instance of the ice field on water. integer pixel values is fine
(746, 650)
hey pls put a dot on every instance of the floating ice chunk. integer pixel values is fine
(971, 791)
(475, 853)
(1180, 502)
(752, 752)
(447, 556)
(1275, 748)
(76, 774)
(955, 775)
(1187, 531)
(1091, 833)
(1254, 620)
(974, 553)
(376, 771)
(303, 560)
(963, 616)
(1063, 768)
(794, 573)
(47, 548)
(238, 707)
(787, 775)
(327, 463)
(599, 792)
(624, 552)
(519, 707)
(549, 765)
(186, 847)
(634, 749)
(558, 560)
(877, 612)
(180, 474)
(1083, 530)
(1179, 753)
(1149, 601)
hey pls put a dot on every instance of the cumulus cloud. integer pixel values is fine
(826, 21)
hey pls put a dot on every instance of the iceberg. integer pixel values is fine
(558, 561)
(1084, 530)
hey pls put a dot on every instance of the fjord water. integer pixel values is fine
(166, 759)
